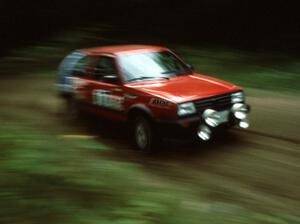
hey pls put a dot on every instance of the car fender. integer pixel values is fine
(139, 108)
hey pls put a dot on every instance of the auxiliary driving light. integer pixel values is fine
(204, 133)
(211, 117)
(240, 111)
(244, 124)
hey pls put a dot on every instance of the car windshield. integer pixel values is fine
(151, 65)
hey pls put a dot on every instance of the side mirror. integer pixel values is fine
(111, 79)
(190, 67)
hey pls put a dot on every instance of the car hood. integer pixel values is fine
(185, 88)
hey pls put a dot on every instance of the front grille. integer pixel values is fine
(219, 103)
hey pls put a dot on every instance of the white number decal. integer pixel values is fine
(73, 83)
(105, 99)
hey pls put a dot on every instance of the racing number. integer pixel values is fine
(104, 98)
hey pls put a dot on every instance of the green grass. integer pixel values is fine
(45, 179)
(48, 180)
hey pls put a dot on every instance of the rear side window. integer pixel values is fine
(80, 67)
(66, 67)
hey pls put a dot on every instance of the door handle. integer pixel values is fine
(117, 90)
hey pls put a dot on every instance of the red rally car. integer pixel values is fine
(153, 90)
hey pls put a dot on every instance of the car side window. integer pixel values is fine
(80, 67)
(105, 70)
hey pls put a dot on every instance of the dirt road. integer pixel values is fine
(248, 171)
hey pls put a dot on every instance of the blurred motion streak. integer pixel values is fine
(55, 169)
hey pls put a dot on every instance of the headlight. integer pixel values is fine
(186, 109)
(237, 97)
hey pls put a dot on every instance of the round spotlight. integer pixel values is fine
(240, 115)
(244, 124)
(240, 111)
(204, 133)
(211, 117)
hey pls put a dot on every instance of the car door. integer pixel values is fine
(79, 79)
(107, 94)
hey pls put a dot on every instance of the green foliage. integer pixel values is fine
(269, 71)
(263, 70)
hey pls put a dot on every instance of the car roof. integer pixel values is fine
(122, 49)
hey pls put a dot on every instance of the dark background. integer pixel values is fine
(244, 24)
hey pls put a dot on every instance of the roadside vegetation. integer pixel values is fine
(45, 179)
(274, 71)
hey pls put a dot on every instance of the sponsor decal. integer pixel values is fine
(130, 96)
(73, 83)
(104, 98)
(159, 102)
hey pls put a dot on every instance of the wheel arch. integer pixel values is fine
(139, 109)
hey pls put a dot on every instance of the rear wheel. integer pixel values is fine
(144, 135)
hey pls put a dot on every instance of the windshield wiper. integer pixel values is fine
(163, 77)
(147, 77)
(140, 78)
(170, 71)
(177, 72)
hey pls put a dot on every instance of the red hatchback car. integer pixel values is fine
(153, 90)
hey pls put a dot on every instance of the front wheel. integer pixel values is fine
(145, 137)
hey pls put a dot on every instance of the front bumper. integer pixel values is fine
(190, 126)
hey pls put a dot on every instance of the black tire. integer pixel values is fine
(144, 134)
